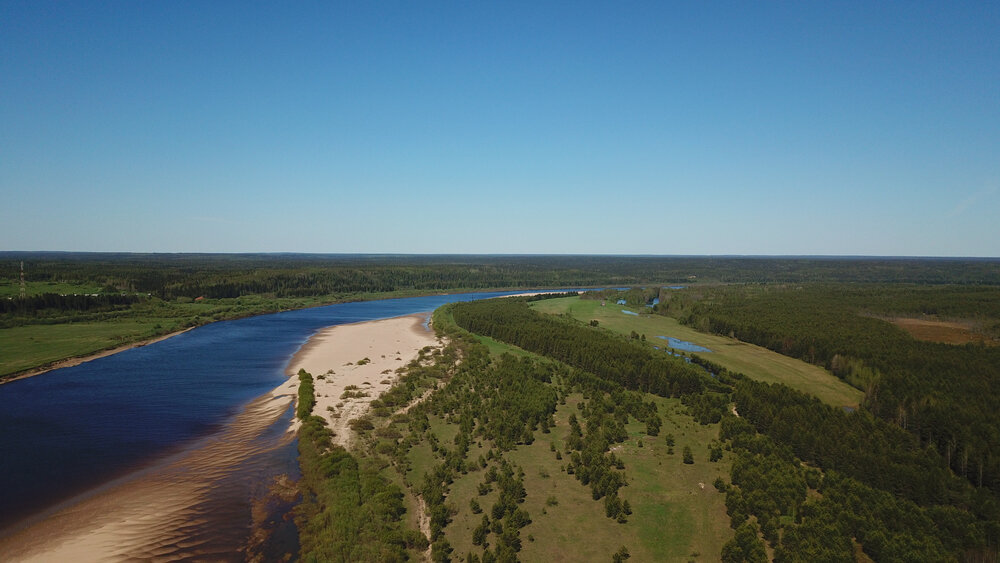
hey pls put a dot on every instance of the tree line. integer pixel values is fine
(36, 304)
(614, 359)
(296, 275)
(946, 396)
(348, 511)
(873, 480)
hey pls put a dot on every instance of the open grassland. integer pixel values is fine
(498, 348)
(26, 347)
(29, 346)
(12, 288)
(754, 361)
(677, 514)
(28, 343)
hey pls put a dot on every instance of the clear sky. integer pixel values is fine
(845, 128)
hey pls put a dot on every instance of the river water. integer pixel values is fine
(170, 410)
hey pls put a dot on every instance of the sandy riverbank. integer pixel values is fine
(363, 356)
(69, 362)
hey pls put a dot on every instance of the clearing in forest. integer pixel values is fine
(678, 515)
(751, 360)
(945, 332)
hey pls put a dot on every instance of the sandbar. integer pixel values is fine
(363, 356)
(167, 512)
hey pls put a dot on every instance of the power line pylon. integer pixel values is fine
(23, 290)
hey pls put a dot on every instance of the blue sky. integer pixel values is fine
(844, 128)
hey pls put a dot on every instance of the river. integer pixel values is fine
(161, 410)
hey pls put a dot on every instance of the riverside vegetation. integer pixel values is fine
(546, 437)
(77, 304)
(552, 428)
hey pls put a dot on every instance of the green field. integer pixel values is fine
(12, 288)
(26, 347)
(30, 346)
(37, 341)
(677, 513)
(674, 517)
(754, 361)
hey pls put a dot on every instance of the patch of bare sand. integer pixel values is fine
(360, 359)
(945, 332)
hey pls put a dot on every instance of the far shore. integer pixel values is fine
(77, 360)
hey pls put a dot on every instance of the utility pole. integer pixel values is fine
(23, 291)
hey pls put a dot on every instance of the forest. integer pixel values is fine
(947, 396)
(168, 276)
(83, 303)
(918, 504)
(530, 434)
(520, 403)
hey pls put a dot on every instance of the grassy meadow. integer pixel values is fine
(678, 515)
(26, 347)
(35, 342)
(12, 288)
(754, 361)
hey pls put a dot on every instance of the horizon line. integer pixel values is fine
(499, 254)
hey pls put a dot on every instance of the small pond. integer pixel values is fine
(678, 344)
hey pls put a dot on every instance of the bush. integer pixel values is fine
(307, 395)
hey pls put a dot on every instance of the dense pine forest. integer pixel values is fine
(945, 395)
(877, 486)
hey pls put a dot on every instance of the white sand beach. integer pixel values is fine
(363, 357)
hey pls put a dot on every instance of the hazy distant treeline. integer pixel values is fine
(297, 275)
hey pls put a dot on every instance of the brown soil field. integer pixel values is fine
(946, 332)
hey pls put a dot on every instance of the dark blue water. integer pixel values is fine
(74, 428)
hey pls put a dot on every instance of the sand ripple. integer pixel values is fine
(194, 505)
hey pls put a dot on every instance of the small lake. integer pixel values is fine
(684, 345)
(627, 312)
